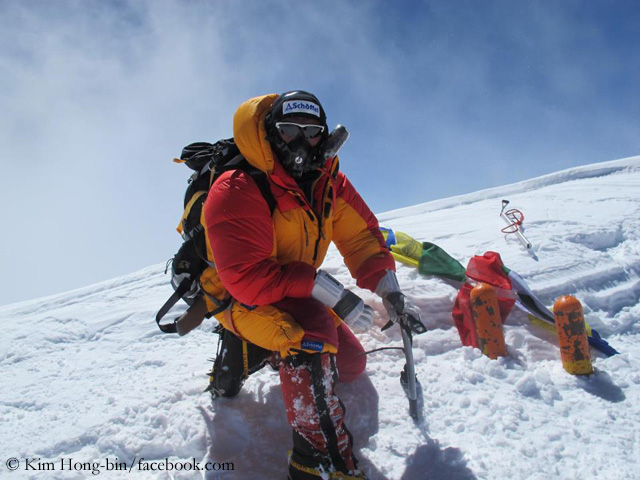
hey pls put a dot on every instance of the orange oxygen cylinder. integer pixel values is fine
(572, 336)
(486, 314)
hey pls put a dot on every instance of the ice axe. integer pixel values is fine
(408, 374)
(514, 218)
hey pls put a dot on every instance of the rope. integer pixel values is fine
(382, 348)
(516, 217)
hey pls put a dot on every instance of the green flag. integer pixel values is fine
(435, 261)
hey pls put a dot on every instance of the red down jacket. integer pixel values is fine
(262, 258)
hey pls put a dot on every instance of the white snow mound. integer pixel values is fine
(89, 379)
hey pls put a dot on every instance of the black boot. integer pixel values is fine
(235, 361)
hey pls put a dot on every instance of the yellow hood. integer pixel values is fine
(250, 134)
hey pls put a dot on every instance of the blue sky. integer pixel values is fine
(441, 98)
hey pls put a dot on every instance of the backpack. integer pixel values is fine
(208, 161)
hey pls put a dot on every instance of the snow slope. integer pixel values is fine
(87, 376)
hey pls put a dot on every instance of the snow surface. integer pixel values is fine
(87, 376)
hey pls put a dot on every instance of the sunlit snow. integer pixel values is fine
(86, 375)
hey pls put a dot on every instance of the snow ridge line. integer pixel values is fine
(576, 173)
(153, 275)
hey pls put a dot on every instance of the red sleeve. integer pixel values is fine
(240, 234)
(358, 238)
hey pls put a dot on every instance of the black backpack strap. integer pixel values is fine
(183, 288)
(263, 184)
(240, 163)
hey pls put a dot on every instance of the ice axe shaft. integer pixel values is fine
(519, 235)
(412, 391)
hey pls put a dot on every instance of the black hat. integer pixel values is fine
(296, 103)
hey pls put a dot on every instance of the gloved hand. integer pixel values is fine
(346, 304)
(398, 306)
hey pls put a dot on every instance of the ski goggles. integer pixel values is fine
(292, 130)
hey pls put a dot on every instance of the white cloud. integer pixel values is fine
(97, 97)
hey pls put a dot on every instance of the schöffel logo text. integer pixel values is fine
(311, 345)
(300, 106)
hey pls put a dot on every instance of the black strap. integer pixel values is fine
(222, 304)
(346, 304)
(326, 424)
(240, 163)
(263, 184)
(173, 299)
(177, 295)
